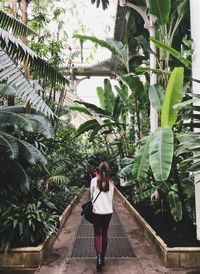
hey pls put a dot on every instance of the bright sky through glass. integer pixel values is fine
(84, 18)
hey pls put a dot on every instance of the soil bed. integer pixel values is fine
(173, 234)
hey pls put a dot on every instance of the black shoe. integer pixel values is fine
(102, 259)
(99, 262)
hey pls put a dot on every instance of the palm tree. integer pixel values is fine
(14, 52)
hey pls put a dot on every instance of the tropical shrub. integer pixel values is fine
(25, 225)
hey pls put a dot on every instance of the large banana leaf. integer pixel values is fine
(122, 91)
(100, 94)
(173, 96)
(156, 96)
(91, 124)
(161, 150)
(116, 47)
(161, 9)
(109, 97)
(175, 206)
(171, 51)
(10, 72)
(117, 109)
(80, 109)
(9, 22)
(135, 85)
(94, 108)
(16, 50)
(141, 163)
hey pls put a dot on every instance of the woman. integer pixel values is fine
(102, 209)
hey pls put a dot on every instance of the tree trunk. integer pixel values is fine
(25, 4)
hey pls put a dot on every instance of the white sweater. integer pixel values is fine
(103, 204)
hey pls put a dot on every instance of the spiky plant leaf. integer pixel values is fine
(40, 125)
(57, 179)
(7, 90)
(13, 119)
(15, 49)
(10, 23)
(10, 143)
(10, 72)
(31, 154)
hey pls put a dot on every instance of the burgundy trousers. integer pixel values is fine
(101, 224)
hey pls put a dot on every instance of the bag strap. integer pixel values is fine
(96, 197)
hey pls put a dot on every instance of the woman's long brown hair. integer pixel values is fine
(103, 177)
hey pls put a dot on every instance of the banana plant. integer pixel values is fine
(169, 15)
(113, 113)
(157, 150)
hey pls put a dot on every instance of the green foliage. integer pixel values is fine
(26, 225)
(173, 96)
(161, 150)
(160, 9)
(171, 51)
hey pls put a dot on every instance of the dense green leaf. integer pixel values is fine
(141, 163)
(126, 161)
(171, 51)
(13, 119)
(126, 171)
(156, 96)
(80, 109)
(100, 94)
(161, 9)
(31, 154)
(94, 108)
(172, 97)
(91, 124)
(175, 206)
(161, 150)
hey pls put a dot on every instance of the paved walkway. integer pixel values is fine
(145, 262)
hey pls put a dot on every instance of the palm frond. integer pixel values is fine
(10, 23)
(40, 125)
(7, 90)
(10, 72)
(9, 144)
(19, 109)
(9, 171)
(13, 119)
(31, 154)
(57, 179)
(19, 51)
